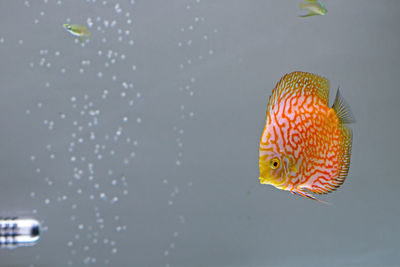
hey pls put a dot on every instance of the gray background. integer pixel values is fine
(178, 132)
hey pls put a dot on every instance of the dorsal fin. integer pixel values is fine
(300, 83)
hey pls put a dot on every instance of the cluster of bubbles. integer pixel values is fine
(193, 35)
(96, 156)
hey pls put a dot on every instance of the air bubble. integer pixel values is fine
(114, 200)
(117, 8)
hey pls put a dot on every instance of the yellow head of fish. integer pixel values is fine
(275, 169)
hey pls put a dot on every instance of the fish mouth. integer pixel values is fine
(278, 183)
(263, 180)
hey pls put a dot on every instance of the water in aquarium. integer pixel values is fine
(199, 133)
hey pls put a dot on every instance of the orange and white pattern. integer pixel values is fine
(305, 144)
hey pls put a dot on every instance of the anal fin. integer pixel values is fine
(300, 192)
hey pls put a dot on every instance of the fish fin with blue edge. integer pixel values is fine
(300, 192)
(346, 144)
(342, 109)
(345, 117)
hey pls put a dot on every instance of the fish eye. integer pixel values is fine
(69, 27)
(275, 163)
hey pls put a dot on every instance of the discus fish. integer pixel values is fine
(305, 146)
(314, 7)
(77, 30)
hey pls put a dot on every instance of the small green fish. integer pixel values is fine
(78, 30)
(314, 7)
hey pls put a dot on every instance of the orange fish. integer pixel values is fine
(305, 146)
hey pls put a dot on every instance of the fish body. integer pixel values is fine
(314, 8)
(77, 30)
(305, 146)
